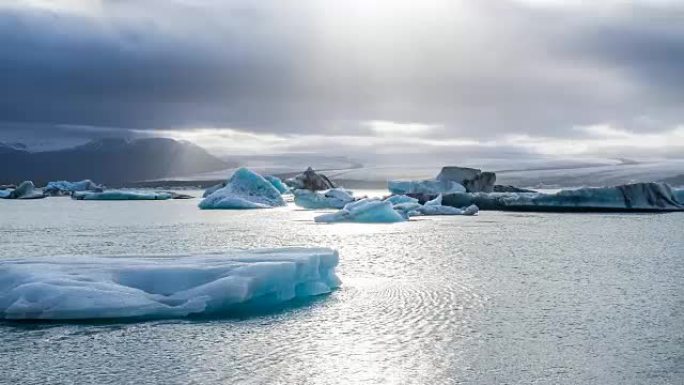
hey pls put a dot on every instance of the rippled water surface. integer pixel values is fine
(499, 298)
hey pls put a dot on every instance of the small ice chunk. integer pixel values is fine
(397, 199)
(335, 198)
(245, 190)
(435, 207)
(447, 210)
(425, 187)
(143, 287)
(366, 210)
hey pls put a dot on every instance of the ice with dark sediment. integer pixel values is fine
(310, 180)
(629, 197)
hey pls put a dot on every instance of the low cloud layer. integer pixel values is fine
(383, 76)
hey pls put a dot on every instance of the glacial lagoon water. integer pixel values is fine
(514, 298)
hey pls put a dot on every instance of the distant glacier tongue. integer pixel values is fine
(73, 288)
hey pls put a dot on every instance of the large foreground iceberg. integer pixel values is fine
(335, 198)
(123, 195)
(63, 187)
(244, 190)
(366, 210)
(72, 288)
(630, 197)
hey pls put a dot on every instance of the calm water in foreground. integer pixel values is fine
(499, 298)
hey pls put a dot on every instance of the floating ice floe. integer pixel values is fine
(435, 207)
(425, 187)
(631, 197)
(143, 287)
(367, 210)
(63, 187)
(25, 190)
(335, 198)
(409, 207)
(244, 190)
(122, 195)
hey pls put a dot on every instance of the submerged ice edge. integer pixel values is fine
(148, 287)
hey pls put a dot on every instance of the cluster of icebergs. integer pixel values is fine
(463, 187)
(143, 287)
(83, 190)
(630, 197)
(247, 189)
(397, 208)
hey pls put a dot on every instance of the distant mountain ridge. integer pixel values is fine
(110, 161)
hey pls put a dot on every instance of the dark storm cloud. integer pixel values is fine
(478, 70)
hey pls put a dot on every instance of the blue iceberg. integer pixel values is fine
(366, 210)
(398, 199)
(244, 190)
(63, 187)
(335, 198)
(425, 187)
(144, 287)
(409, 207)
(277, 183)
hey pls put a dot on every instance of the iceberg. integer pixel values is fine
(335, 198)
(63, 187)
(244, 190)
(367, 210)
(123, 195)
(425, 187)
(473, 179)
(398, 199)
(277, 183)
(679, 195)
(630, 197)
(25, 190)
(212, 189)
(435, 207)
(310, 180)
(150, 287)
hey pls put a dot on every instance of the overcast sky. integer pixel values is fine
(347, 77)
